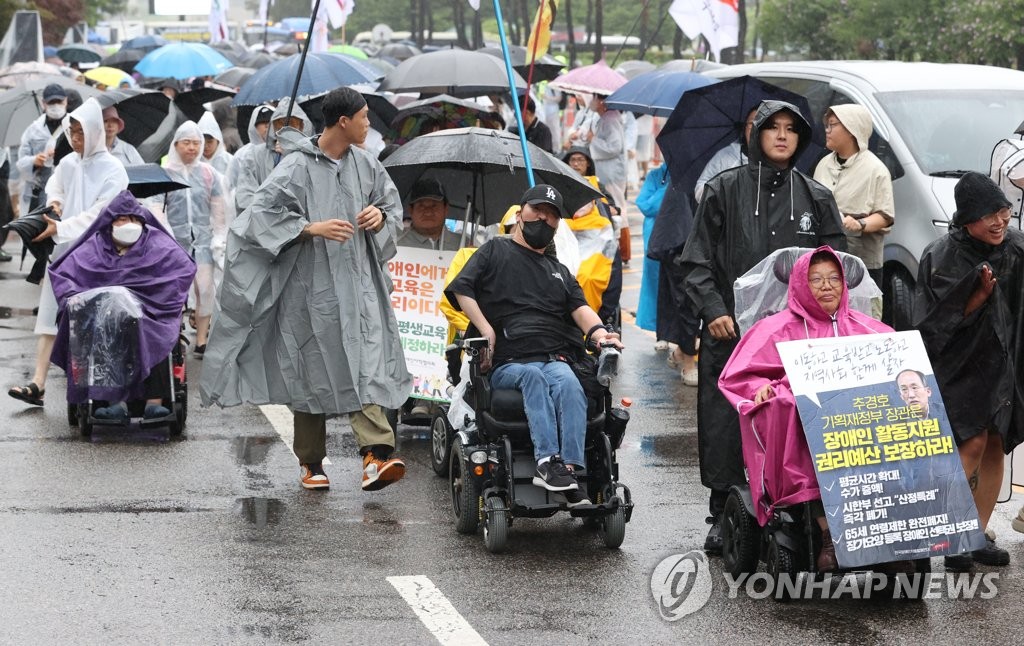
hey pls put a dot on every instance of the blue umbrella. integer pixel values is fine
(656, 93)
(322, 72)
(146, 43)
(183, 61)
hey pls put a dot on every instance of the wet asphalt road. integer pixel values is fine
(210, 540)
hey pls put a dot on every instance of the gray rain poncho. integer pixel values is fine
(307, 322)
(197, 215)
(242, 155)
(262, 160)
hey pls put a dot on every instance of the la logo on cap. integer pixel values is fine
(551, 193)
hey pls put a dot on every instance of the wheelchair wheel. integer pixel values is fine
(441, 434)
(72, 414)
(740, 537)
(496, 525)
(781, 562)
(613, 526)
(84, 425)
(465, 496)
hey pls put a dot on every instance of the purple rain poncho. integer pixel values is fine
(158, 274)
(775, 450)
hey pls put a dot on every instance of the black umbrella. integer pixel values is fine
(234, 77)
(382, 112)
(399, 51)
(29, 226)
(124, 59)
(256, 60)
(148, 180)
(149, 121)
(191, 102)
(451, 71)
(78, 53)
(484, 168)
(146, 43)
(706, 120)
(546, 68)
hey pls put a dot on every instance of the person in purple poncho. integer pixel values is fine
(126, 247)
(755, 383)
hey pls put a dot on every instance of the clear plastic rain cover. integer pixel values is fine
(104, 338)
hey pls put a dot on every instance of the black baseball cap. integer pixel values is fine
(263, 114)
(545, 194)
(54, 92)
(427, 188)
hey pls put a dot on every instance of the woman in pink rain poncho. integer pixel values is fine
(774, 448)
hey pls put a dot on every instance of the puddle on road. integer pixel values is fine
(677, 449)
(116, 508)
(261, 512)
(377, 514)
(252, 450)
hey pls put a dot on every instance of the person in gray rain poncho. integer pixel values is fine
(196, 216)
(80, 186)
(263, 159)
(745, 214)
(305, 316)
(259, 124)
(214, 152)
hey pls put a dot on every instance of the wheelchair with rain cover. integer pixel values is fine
(490, 465)
(104, 357)
(790, 539)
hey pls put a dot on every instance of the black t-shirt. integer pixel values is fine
(527, 297)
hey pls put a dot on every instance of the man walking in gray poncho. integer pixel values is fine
(304, 316)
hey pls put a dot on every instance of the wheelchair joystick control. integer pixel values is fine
(607, 363)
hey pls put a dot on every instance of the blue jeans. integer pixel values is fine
(553, 399)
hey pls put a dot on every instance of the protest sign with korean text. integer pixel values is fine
(418, 276)
(890, 476)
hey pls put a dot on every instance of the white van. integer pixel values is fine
(932, 122)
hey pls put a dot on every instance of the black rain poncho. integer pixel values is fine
(745, 214)
(975, 358)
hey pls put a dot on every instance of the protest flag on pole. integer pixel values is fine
(717, 20)
(540, 35)
(218, 21)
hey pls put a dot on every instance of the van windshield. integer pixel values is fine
(954, 130)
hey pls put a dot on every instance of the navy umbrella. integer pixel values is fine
(322, 72)
(78, 53)
(706, 120)
(656, 93)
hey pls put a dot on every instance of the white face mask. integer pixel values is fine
(55, 111)
(128, 234)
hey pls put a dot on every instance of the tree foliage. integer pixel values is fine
(943, 31)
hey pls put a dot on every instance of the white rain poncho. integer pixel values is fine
(764, 290)
(221, 159)
(82, 185)
(264, 159)
(243, 154)
(196, 215)
(308, 322)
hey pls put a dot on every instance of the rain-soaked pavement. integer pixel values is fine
(208, 539)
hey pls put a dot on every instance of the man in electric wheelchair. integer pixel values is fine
(120, 290)
(534, 318)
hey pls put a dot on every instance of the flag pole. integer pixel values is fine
(512, 88)
(302, 58)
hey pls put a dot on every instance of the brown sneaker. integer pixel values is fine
(312, 476)
(378, 473)
(827, 556)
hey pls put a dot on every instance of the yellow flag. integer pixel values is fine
(540, 33)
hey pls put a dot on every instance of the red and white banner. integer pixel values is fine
(717, 20)
(218, 21)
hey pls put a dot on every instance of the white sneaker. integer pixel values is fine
(689, 377)
(1018, 522)
(661, 346)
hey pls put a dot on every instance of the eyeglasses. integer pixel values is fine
(1002, 215)
(819, 281)
(832, 125)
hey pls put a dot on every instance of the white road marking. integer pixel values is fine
(436, 612)
(281, 419)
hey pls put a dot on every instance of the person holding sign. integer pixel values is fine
(968, 306)
(755, 382)
(745, 214)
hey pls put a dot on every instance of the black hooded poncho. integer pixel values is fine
(745, 214)
(975, 358)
